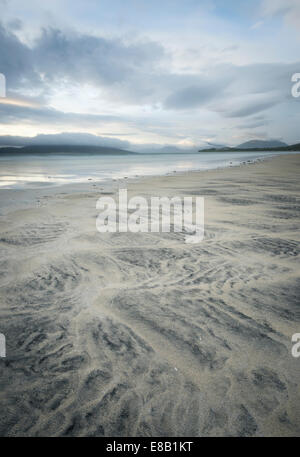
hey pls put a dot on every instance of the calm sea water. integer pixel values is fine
(32, 171)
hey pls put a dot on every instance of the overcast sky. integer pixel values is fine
(180, 72)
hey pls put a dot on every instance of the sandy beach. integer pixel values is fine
(127, 334)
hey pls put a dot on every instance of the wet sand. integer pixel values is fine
(128, 334)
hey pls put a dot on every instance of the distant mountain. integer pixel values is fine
(65, 138)
(292, 147)
(255, 144)
(216, 148)
(216, 145)
(63, 149)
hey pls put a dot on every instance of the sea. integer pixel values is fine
(46, 170)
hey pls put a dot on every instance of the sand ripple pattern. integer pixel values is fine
(143, 335)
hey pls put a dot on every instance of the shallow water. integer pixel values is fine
(31, 171)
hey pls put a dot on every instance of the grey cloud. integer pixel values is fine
(132, 73)
(251, 108)
(16, 61)
(85, 58)
(262, 78)
(191, 97)
(252, 125)
(233, 90)
(15, 114)
(119, 134)
(15, 24)
(254, 122)
(56, 56)
(255, 88)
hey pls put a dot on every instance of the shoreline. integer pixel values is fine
(94, 181)
(35, 194)
(141, 334)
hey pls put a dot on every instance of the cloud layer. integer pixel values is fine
(148, 86)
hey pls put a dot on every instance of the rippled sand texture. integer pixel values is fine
(144, 335)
